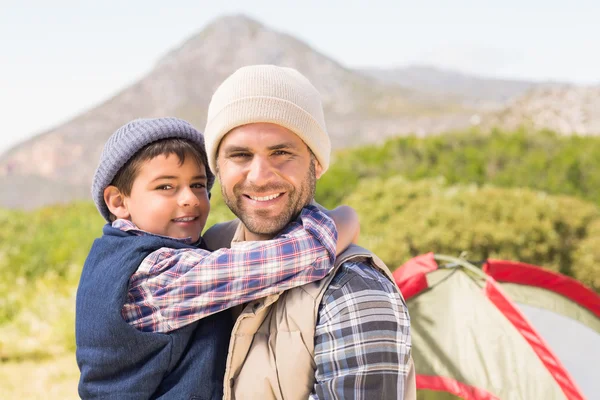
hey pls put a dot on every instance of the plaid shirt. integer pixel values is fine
(173, 288)
(362, 337)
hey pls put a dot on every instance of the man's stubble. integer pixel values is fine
(259, 222)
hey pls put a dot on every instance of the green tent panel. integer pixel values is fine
(472, 341)
(563, 311)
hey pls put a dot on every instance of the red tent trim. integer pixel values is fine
(449, 385)
(411, 277)
(531, 275)
(496, 295)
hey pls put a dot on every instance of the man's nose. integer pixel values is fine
(260, 171)
(187, 197)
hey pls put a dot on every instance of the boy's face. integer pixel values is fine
(169, 199)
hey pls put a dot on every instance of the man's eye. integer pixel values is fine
(281, 153)
(164, 187)
(239, 155)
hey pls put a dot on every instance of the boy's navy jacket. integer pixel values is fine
(117, 361)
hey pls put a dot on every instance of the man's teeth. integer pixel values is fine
(265, 198)
(185, 219)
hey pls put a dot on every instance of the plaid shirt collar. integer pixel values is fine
(128, 226)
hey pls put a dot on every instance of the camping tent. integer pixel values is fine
(505, 331)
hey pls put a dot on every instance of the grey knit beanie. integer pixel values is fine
(268, 93)
(131, 138)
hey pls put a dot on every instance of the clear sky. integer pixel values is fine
(61, 57)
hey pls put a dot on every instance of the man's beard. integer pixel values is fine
(258, 221)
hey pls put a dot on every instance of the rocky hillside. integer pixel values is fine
(57, 166)
(508, 104)
(565, 109)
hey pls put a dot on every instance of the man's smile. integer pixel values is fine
(264, 198)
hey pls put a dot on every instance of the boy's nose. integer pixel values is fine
(187, 197)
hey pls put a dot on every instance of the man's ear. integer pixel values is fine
(318, 168)
(115, 201)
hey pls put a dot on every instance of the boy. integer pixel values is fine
(152, 186)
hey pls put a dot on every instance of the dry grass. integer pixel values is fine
(48, 379)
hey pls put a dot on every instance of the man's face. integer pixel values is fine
(267, 176)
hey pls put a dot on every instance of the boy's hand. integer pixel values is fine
(347, 224)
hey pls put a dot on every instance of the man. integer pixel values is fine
(346, 336)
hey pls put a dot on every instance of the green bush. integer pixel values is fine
(537, 160)
(41, 255)
(401, 219)
(586, 261)
(49, 242)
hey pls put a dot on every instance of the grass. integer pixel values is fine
(51, 379)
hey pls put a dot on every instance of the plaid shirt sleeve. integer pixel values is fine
(362, 338)
(173, 288)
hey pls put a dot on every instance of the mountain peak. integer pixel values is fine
(229, 20)
(230, 25)
(358, 108)
(225, 29)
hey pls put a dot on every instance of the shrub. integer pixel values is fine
(538, 160)
(41, 255)
(586, 260)
(400, 219)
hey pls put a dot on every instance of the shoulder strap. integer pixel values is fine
(352, 252)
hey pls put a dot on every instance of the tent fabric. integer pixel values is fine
(535, 340)
(531, 275)
(448, 385)
(539, 298)
(458, 333)
(576, 346)
(563, 311)
(411, 278)
(472, 341)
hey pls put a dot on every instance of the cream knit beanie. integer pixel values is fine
(267, 93)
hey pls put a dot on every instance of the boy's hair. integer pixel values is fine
(136, 136)
(179, 147)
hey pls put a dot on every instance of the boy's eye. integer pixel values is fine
(164, 187)
(198, 186)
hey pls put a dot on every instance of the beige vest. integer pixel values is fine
(271, 352)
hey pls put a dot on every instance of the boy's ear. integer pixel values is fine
(115, 201)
